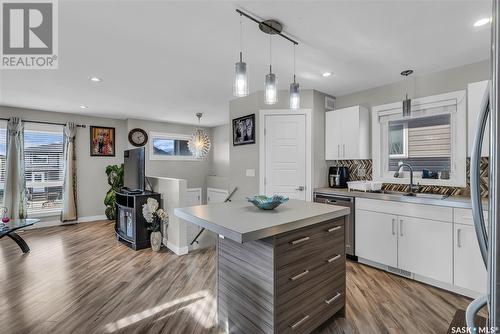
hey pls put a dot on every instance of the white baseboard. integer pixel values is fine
(175, 248)
(430, 281)
(51, 223)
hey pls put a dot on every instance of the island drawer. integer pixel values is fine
(296, 286)
(303, 244)
(300, 315)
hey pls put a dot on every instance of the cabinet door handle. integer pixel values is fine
(336, 228)
(298, 241)
(335, 258)
(459, 242)
(302, 274)
(393, 226)
(298, 323)
(331, 300)
(401, 227)
(338, 150)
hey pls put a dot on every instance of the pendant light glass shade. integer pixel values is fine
(199, 144)
(240, 79)
(294, 95)
(406, 102)
(271, 90)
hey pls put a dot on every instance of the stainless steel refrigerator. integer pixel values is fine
(488, 237)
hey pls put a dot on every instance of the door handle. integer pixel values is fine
(300, 188)
(336, 228)
(338, 150)
(331, 300)
(393, 226)
(343, 148)
(302, 274)
(459, 243)
(401, 227)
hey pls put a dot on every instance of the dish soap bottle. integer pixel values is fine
(5, 217)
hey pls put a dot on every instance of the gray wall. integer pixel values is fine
(419, 86)
(194, 171)
(247, 156)
(91, 177)
(220, 153)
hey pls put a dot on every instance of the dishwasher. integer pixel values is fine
(348, 202)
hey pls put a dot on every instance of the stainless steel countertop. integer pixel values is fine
(241, 221)
(452, 201)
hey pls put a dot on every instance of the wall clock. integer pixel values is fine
(138, 137)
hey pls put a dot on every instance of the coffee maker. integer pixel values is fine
(338, 177)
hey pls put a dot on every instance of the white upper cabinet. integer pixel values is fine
(475, 93)
(347, 134)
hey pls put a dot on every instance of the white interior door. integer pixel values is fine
(285, 155)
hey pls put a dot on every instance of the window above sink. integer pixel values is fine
(433, 138)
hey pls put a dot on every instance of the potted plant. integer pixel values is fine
(115, 180)
(154, 217)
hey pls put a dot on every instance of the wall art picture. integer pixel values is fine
(102, 141)
(244, 130)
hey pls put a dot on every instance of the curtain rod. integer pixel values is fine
(51, 123)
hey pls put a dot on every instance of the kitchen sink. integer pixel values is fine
(421, 195)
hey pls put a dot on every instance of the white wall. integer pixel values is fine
(92, 182)
(220, 155)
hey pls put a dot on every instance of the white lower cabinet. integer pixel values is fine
(441, 252)
(470, 272)
(376, 237)
(425, 248)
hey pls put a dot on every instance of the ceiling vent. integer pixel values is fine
(329, 103)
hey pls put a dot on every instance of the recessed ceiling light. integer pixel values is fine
(482, 22)
(326, 74)
(95, 79)
(83, 107)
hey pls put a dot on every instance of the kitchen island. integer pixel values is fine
(278, 271)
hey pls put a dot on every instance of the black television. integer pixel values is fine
(134, 169)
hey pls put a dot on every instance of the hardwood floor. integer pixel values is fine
(79, 279)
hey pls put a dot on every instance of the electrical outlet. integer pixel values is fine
(361, 172)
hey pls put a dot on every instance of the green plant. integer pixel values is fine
(115, 180)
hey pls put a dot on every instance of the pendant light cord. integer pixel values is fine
(293, 63)
(241, 38)
(270, 54)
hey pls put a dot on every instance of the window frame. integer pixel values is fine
(169, 136)
(458, 122)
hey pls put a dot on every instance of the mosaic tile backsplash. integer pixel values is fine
(355, 165)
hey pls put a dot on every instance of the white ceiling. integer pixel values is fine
(166, 60)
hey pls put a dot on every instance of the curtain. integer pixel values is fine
(69, 210)
(15, 180)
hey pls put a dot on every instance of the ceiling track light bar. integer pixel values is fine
(271, 30)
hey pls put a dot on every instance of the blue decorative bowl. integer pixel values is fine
(267, 203)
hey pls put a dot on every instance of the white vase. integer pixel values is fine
(155, 241)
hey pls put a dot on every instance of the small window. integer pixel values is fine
(168, 146)
(431, 139)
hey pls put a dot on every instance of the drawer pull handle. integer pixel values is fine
(298, 241)
(300, 322)
(336, 228)
(331, 300)
(336, 257)
(302, 274)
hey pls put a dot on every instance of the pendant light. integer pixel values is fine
(406, 101)
(294, 88)
(240, 87)
(199, 143)
(271, 85)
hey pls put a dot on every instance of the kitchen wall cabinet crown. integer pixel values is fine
(347, 134)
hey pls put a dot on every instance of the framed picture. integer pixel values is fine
(244, 130)
(102, 141)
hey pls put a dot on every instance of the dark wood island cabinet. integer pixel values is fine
(290, 280)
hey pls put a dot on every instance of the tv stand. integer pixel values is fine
(131, 227)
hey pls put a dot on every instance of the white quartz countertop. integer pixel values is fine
(241, 221)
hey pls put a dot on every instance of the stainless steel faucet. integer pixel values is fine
(413, 188)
